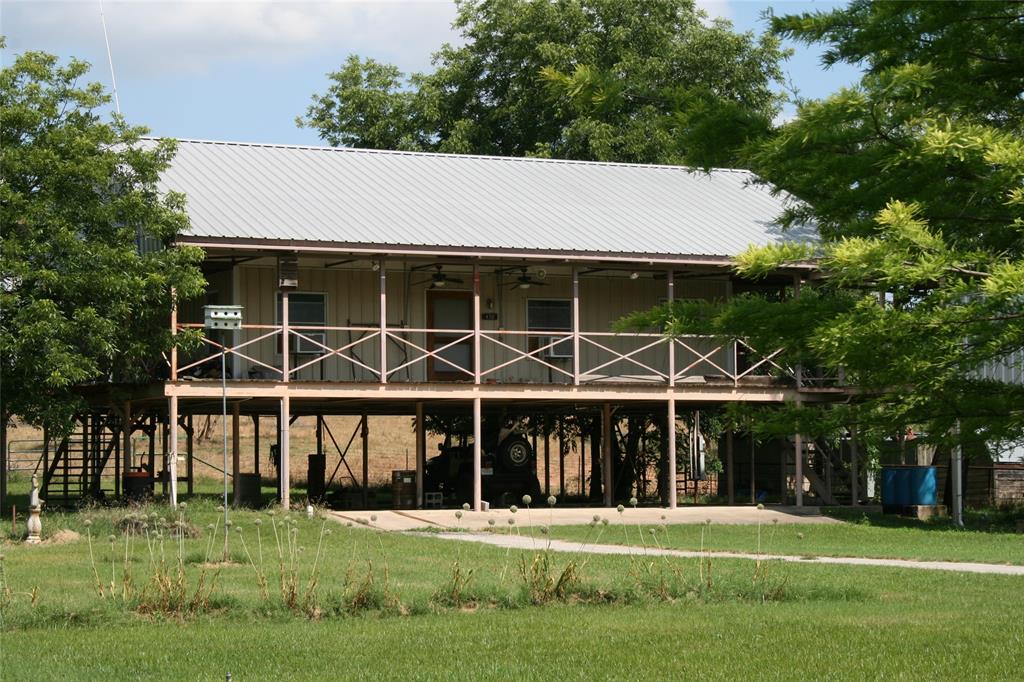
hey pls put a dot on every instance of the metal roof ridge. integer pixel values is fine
(484, 157)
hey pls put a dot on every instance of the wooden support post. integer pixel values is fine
(236, 455)
(670, 477)
(383, 280)
(421, 453)
(854, 471)
(189, 452)
(561, 456)
(547, 457)
(477, 447)
(575, 327)
(476, 323)
(798, 475)
(285, 337)
(256, 443)
(165, 455)
(319, 434)
(364, 433)
(606, 452)
(730, 469)
(799, 384)
(172, 456)
(284, 471)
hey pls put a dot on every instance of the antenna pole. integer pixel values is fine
(110, 59)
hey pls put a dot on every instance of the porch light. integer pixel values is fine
(224, 318)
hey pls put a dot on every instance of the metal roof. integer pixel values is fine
(354, 196)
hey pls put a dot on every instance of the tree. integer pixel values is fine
(915, 178)
(81, 302)
(491, 94)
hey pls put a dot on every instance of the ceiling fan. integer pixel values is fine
(438, 280)
(525, 281)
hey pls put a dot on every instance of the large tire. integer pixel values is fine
(515, 453)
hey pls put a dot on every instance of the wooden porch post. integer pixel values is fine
(476, 323)
(285, 340)
(174, 332)
(606, 452)
(670, 296)
(256, 443)
(383, 323)
(189, 451)
(575, 327)
(730, 474)
(172, 457)
(236, 455)
(477, 437)
(670, 477)
(421, 453)
(284, 471)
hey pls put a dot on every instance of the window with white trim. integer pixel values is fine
(550, 315)
(305, 309)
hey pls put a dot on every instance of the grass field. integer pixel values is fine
(622, 618)
(867, 535)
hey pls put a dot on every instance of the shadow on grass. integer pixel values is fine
(990, 520)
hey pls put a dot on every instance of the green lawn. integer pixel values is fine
(624, 618)
(867, 535)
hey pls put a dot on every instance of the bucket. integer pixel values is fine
(895, 487)
(138, 485)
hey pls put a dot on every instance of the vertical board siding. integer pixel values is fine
(352, 299)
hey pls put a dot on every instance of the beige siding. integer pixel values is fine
(352, 299)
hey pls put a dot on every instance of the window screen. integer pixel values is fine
(304, 309)
(549, 315)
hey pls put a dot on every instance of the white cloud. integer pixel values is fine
(160, 37)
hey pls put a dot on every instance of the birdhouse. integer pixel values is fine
(227, 317)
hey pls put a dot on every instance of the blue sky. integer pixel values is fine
(243, 71)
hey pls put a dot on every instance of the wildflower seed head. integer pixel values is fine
(604, 522)
(258, 522)
(144, 526)
(465, 506)
(271, 513)
(154, 516)
(327, 531)
(511, 522)
(182, 506)
(88, 522)
(620, 509)
(490, 522)
(348, 525)
(373, 517)
(707, 522)
(229, 523)
(663, 517)
(800, 536)
(544, 530)
(552, 500)
(458, 514)
(220, 507)
(775, 521)
(596, 518)
(238, 529)
(633, 502)
(652, 531)
(513, 509)
(527, 500)
(760, 505)
(209, 527)
(112, 537)
(592, 524)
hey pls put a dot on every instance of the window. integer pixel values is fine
(550, 315)
(305, 310)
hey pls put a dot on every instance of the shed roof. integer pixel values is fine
(329, 195)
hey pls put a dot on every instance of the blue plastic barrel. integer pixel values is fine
(895, 486)
(923, 484)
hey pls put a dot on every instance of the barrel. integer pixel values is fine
(138, 485)
(403, 489)
(895, 488)
(922, 485)
(316, 474)
(250, 490)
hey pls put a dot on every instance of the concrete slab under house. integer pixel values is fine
(475, 295)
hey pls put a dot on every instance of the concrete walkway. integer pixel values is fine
(530, 543)
(413, 519)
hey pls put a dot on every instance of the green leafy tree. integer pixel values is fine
(915, 178)
(80, 302)
(504, 89)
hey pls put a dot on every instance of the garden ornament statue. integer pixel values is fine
(34, 525)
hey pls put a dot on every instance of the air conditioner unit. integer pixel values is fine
(301, 346)
(561, 348)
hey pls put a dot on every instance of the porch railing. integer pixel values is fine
(484, 356)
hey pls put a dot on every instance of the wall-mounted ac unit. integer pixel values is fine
(561, 348)
(301, 346)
